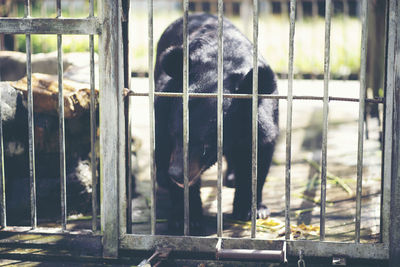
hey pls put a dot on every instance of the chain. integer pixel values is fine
(301, 262)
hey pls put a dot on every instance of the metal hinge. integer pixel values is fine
(156, 259)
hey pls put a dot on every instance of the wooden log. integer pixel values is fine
(45, 91)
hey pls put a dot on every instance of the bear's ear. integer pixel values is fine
(172, 62)
(266, 81)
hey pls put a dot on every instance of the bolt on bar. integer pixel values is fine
(185, 102)
(220, 119)
(289, 119)
(151, 112)
(30, 121)
(328, 16)
(61, 126)
(364, 39)
(254, 122)
(93, 125)
(3, 216)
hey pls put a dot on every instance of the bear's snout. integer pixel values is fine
(175, 170)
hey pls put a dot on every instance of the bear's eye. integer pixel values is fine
(205, 149)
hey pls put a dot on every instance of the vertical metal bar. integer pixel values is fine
(3, 217)
(388, 119)
(129, 166)
(58, 8)
(220, 119)
(111, 93)
(151, 112)
(61, 128)
(126, 191)
(364, 39)
(328, 14)
(185, 102)
(93, 125)
(289, 119)
(30, 121)
(121, 134)
(3, 214)
(254, 122)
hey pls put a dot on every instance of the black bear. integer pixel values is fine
(237, 133)
(16, 161)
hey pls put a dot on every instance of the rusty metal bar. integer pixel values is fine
(185, 103)
(151, 120)
(93, 126)
(364, 40)
(31, 128)
(61, 128)
(264, 96)
(328, 15)
(289, 119)
(28, 25)
(220, 119)
(254, 122)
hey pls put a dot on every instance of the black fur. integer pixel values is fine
(237, 137)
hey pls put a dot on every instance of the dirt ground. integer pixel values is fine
(305, 185)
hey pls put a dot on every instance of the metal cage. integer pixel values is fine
(109, 26)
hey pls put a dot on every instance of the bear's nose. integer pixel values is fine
(176, 173)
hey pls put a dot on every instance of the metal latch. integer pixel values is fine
(338, 260)
(158, 256)
(250, 254)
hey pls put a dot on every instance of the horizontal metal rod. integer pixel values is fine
(251, 254)
(29, 25)
(249, 96)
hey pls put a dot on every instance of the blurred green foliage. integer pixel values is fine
(273, 40)
(44, 43)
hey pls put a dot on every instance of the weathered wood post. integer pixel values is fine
(112, 149)
(392, 160)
